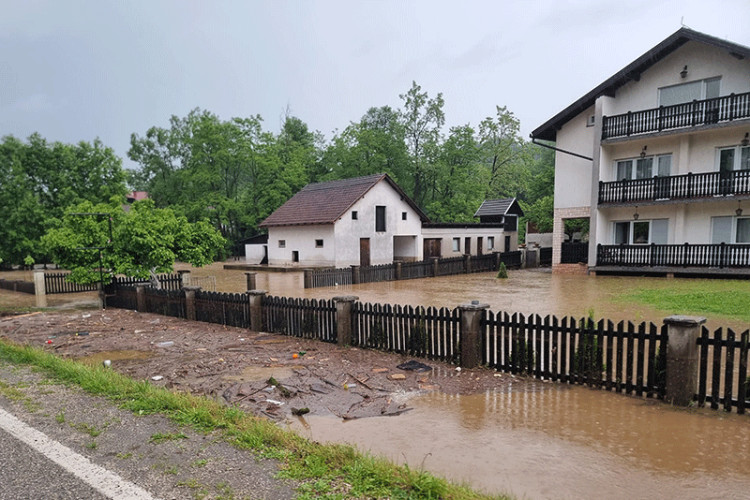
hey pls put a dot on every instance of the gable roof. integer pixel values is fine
(498, 207)
(327, 202)
(548, 131)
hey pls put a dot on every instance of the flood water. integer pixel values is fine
(559, 442)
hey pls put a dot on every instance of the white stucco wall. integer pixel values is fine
(703, 61)
(446, 236)
(302, 239)
(572, 174)
(254, 253)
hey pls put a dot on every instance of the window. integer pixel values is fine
(282, 243)
(730, 230)
(456, 244)
(641, 232)
(734, 158)
(403, 215)
(591, 121)
(490, 242)
(295, 256)
(691, 91)
(380, 219)
(318, 243)
(643, 168)
(355, 216)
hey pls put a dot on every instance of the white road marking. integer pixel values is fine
(106, 482)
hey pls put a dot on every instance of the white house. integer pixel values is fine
(369, 221)
(658, 158)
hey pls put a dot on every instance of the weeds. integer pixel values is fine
(60, 417)
(160, 438)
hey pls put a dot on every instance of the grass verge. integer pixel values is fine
(329, 471)
(726, 298)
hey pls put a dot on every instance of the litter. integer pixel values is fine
(168, 343)
(397, 376)
(107, 363)
(157, 377)
(349, 386)
(414, 366)
(274, 402)
(85, 315)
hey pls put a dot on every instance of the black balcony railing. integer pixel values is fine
(685, 255)
(689, 114)
(574, 252)
(675, 187)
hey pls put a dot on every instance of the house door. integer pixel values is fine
(364, 252)
(432, 248)
(479, 245)
(507, 243)
(467, 245)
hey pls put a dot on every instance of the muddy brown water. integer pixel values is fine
(553, 441)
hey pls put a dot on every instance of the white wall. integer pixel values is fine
(254, 253)
(348, 231)
(447, 234)
(572, 174)
(302, 239)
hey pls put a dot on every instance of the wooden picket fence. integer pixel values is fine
(724, 381)
(168, 281)
(229, 309)
(412, 270)
(58, 283)
(306, 318)
(329, 277)
(165, 302)
(376, 274)
(17, 286)
(415, 331)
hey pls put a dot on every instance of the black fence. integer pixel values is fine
(545, 256)
(17, 286)
(306, 318)
(689, 114)
(229, 309)
(573, 253)
(168, 281)
(685, 255)
(58, 283)
(723, 382)
(315, 278)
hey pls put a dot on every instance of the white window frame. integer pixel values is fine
(490, 242)
(702, 82)
(738, 149)
(733, 231)
(456, 244)
(634, 166)
(631, 224)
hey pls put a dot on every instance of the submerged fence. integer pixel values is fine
(622, 357)
(395, 271)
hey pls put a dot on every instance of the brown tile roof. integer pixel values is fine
(326, 202)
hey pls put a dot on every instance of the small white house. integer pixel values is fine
(369, 221)
(657, 158)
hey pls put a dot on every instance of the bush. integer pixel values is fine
(503, 271)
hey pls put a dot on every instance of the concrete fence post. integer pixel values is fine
(397, 270)
(682, 358)
(498, 260)
(40, 291)
(344, 305)
(355, 275)
(307, 278)
(467, 263)
(255, 298)
(251, 282)
(184, 277)
(523, 258)
(435, 266)
(190, 301)
(471, 333)
(140, 297)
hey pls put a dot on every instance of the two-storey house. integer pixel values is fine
(657, 157)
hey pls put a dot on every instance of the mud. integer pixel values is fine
(234, 365)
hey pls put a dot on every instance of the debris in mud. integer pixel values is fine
(397, 376)
(415, 366)
(298, 412)
(283, 390)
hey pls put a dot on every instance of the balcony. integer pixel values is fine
(720, 256)
(675, 187)
(678, 116)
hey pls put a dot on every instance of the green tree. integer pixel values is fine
(423, 118)
(145, 240)
(504, 155)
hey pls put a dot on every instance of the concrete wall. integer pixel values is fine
(544, 240)
(302, 239)
(572, 174)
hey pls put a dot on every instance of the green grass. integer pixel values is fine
(160, 438)
(335, 471)
(725, 298)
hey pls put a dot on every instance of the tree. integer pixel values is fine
(504, 155)
(145, 240)
(423, 118)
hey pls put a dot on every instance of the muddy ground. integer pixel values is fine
(234, 365)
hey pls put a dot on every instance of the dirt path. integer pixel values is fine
(234, 365)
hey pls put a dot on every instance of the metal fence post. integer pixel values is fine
(140, 297)
(251, 285)
(255, 298)
(682, 358)
(344, 318)
(471, 333)
(39, 288)
(190, 301)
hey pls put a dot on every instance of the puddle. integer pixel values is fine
(259, 373)
(114, 356)
(537, 444)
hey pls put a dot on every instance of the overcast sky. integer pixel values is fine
(77, 70)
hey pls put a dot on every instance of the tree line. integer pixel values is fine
(233, 173)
